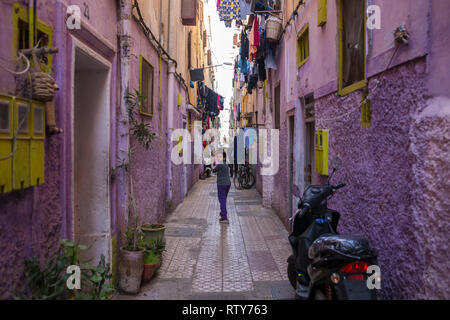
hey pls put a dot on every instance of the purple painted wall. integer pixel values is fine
(33, 221)
(397, 171)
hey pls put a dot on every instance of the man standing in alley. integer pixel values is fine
(223, 184)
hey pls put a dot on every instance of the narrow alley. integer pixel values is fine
(207, 260)
(129, 127)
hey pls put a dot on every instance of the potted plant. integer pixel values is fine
(131, 266)
(153, 232)
(159, 247)
(151, 261)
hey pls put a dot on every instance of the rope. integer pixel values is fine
(21, 56)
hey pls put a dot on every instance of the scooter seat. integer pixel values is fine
(347, 245)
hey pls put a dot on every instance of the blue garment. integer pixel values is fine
(222, 192)
(244, 65)
(269, 54)
(246, 8)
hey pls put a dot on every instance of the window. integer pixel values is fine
(5, 117)
(189, 49)
(23, 118)
(146, 87)
(23, 35)
(303, 46)
(352, 45)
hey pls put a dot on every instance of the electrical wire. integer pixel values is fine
(156, 43)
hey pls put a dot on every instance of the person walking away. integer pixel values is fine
(223, 184)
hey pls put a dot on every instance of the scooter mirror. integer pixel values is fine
(296, 191)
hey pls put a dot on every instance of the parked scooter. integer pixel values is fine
(324, 264)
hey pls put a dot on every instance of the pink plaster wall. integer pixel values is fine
(396, 171)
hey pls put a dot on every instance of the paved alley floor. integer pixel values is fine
(207, 260)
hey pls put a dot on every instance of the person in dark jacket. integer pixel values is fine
(223, 184)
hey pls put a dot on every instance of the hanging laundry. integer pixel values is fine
(244, 65)
(245, 8)
(262, 74)
(218, 103)
(229, 11)
(197, 74)
(244, 45)
(269, 55)
(254, 39)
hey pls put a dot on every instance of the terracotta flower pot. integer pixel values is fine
(131, 267)
(149, 271)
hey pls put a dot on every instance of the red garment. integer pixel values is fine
(218, 102)
(256, 32)
(218, 4)
(254, 40)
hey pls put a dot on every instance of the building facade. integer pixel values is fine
(378, 97)
(74, 185)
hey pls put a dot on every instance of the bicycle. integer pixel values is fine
(244, 179)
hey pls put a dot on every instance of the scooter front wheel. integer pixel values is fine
(292, 273)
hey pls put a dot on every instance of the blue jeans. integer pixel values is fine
(222, 192)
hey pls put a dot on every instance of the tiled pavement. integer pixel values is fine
(208, 260)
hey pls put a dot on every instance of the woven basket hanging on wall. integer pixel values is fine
(273, 29)
(43, 86)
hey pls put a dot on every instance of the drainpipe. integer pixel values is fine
(125, 44)
(170, 106)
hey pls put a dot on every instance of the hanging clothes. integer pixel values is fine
(244, 66)
(244, 51)
(218, 103)
(245, 8)
(254, 39)
(269, 55)
(229, 11)
(262, 74)
(197, 74)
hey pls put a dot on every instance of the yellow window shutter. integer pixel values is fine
(322, 13)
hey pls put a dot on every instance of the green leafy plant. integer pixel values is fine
(153, 248)
(150, 257)
(50, 282)
(133, 237)
(138, 128)
(98, 280)
(159, 246)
